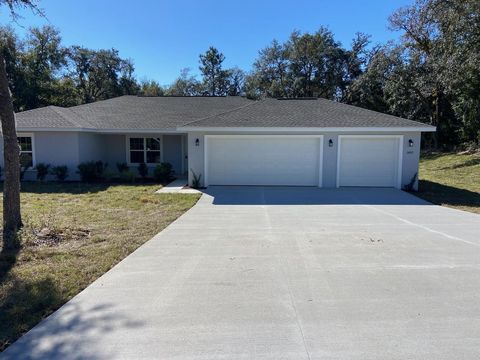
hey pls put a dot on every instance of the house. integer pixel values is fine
(230, 140)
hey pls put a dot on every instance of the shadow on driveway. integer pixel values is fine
(447, 195)
(70, 333)
(280, 195)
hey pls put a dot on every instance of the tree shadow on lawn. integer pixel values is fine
(69, 333)
(63, 187)
(447, 195)
(467, 163)
(51, 187)
(8, 258)
(427, 155)
(23, 304)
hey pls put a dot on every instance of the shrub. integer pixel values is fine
(127, 176)
(92, 171)
(410, 186)
(163, 172)
(196, 180)
(121, 167)
(42, 171)
(60, 172)
(108, 174)
(143, 170)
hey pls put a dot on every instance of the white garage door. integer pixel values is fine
(262, 160)
(369, 161)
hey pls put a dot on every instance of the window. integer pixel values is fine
(144, 150)
(25, 144)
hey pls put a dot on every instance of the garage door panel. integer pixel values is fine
(258, 160)
(369, 161)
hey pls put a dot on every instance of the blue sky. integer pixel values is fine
(162, 37)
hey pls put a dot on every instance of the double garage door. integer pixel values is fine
(298, 160)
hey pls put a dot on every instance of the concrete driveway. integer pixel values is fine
(284, 273)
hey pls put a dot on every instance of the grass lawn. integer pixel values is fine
(451, 180)
(74, 233)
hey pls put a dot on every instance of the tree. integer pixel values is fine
(127, 83)
(100, 74)
(150, 88)
(317, 64)
(270, 76)
(184, 85)
(356, 60)
(215, 79)
(441, 40)
(304, 66)
(235, 82)
(41, 60)
(12, 49)
(368, 89)
(12, 219)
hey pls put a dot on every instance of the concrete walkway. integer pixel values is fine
(177, 186)
(283, 273)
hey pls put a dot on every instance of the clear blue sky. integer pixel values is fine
(163, 37)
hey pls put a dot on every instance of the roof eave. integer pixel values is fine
(308, 129)
(99, 131)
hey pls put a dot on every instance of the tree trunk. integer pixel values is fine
(12, 220)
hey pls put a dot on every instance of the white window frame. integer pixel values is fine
(127, 143)
(34, 160)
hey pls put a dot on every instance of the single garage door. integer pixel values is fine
(369, 161)
(263, 160)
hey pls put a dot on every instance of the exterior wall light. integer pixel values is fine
(330, 143)
(410, 143)
(197, 142)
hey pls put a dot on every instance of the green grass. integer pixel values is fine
(451, 180)
(92, 228)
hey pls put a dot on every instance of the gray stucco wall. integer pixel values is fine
(329, 172)
(91, 147)
(55, 148)
(72, 148)
(114, 149)
(173, 152)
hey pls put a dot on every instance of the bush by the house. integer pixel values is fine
(410, 186)
(60, 172)
(42, 171)
(143, 170)
(92, 171)
(108, 174)
(127, 176)
(196, 180)
(163, 172)
(121, 167)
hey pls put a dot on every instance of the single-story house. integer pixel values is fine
(229, 140)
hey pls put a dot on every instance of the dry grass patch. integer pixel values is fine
(74, 233)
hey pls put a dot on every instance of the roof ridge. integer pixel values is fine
(99, 101)
(253, 102)
(70, 119)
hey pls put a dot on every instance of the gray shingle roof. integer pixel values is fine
(130, 112)
(53, 117)
(308, 113)
(170, 113)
